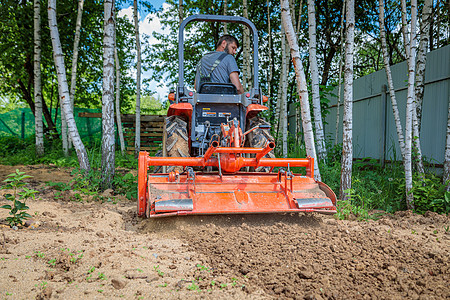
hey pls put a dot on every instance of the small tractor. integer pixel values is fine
(217, 155)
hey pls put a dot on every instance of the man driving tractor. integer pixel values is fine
(220, 65)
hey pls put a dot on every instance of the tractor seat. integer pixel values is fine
(217, 88)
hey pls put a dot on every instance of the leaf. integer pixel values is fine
(7, 206)
(26, 215)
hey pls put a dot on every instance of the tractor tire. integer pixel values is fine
(177, 140)
(259, 138)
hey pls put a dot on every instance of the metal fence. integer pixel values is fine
(374, 131)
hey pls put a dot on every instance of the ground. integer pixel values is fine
(89, 250)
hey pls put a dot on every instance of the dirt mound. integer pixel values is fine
(330, 259)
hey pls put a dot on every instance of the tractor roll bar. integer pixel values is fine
(214, 18)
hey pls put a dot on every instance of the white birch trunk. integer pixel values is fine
(180, 10)
(73, 80)
(301, 85)
(297, 107)
(269, 30)
(118, 115)
(398, 124)
(246, 78)
(416, 146)
(347, 128)
(299, 21)
(137, 142)
(108, 141)
(318, 124)
(405, 29)
(64, 131)
(64, 89)
(422, 57)
(281, 90)
(410, 106)
(446, 177)
(338, 113)
(225, 11)
(38, 123)
(284, 100)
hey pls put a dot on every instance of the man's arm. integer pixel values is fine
(234, 78)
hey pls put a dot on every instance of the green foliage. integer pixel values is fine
(430, 194)
(354, 205)
(18, 209)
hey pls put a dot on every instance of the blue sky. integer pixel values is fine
(157, 3)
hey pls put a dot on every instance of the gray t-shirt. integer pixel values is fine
(221, 73)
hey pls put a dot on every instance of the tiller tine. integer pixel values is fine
(229, 191)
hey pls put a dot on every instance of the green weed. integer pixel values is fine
(203, 268)
(160, 273)
(193, 287)
(101, 276)
(18, 209)
(52, 262)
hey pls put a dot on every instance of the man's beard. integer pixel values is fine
(227, 49)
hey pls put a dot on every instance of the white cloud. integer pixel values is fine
(149, 24)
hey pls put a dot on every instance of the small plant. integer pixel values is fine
(413, 232)
(52, 262)
(233, 281)
(75, 258)
(92, 269)
(193, 287)
(39, 254)
(18, 209)
(101, 276)
(447, 228)
(160, 273)
(223, 285)
(163, 285)
(203, 268)
(139, 270)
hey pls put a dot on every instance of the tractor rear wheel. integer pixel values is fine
(176, 140)
(259, 138)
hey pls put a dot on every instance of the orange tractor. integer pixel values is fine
(217, 155)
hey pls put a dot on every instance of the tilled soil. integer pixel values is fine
(92, 250)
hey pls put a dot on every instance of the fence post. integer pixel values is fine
(383, 123)
(23, 125)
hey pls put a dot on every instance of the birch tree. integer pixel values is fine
(318, 124)
(415, 123)
(410, 104)
(347, 128)
(118, 114)
(301, 84)
(283, 104)
(246, 78)
(340, 72)
(137, 142)
(73, 80)
(446, 177)
(387, 67)
(63, 88)
(108, 142)
(180, 10)
(225, 11)
(38, 123)
(422, 57)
